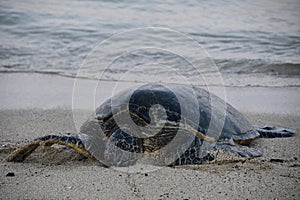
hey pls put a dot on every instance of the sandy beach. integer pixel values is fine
(59, 60)
(60, 173)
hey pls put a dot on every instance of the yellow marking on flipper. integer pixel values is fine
(194, 131)
(70, 145)
(22, 152)
(205, 137)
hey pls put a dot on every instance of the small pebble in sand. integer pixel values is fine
(10, 174)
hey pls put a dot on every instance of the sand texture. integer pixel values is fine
(59, 173)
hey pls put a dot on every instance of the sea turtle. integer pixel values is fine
(163, 124)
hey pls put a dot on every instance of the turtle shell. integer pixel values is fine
(235, 125)
(161, 118)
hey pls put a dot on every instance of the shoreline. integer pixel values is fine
(27, 90)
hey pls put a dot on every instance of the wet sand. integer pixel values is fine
(59, 173)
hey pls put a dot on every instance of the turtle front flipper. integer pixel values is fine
(273, 132)
(71, 141)
(22, 152)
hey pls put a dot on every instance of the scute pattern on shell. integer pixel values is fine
(138, 104)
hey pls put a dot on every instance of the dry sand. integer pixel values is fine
(59, 173)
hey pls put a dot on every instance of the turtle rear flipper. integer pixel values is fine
(273, 132)
(244, 151)
(71, 141)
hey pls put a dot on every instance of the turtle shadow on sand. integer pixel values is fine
(161, 125)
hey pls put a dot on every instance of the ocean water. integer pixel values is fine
(247, 43)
